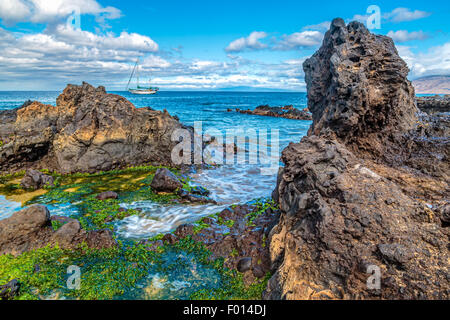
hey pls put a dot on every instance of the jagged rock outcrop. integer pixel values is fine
(88, 130)
(357, 88)
(434, 104)
(353, 194)
(31, 228)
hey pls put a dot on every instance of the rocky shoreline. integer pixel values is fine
(434, 104)
(366, 189)
(288, 112)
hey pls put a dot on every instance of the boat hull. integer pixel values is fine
(143, 92)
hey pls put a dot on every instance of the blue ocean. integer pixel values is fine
(208, 107)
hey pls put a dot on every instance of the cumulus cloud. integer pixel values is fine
(125, 41)
(70, 56)
(299, 40)
(397, 15)
(405, 14)
(435, 61)
(46, 11)
(323, 26)
(252, 42)
(404, 36)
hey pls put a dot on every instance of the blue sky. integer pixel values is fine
(198, 45)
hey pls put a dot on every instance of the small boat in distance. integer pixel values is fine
(139, 89)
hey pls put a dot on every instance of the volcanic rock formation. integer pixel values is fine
(88, 130)
(368, 188)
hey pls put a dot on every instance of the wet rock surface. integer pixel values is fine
(434, 104)
(367, 187)
(88, 131)
(10, 290)
(34, 180)
(165, 181)
(107, 195)
(31, 228)
(288, 112)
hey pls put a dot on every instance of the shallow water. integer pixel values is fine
(229, 184)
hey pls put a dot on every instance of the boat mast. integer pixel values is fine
(137, 72)
(132, 73)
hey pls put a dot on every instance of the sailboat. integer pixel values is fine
(139, 89)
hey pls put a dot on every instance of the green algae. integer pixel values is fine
(118, 273)
(81, 189)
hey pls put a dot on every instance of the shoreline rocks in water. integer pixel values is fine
(368, 187)
(237, 234)
(31, 228)
(34, 180)
(434, 104)
(288, 112)
(88, 131)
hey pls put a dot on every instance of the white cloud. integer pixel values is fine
(323, 26)
(405, 14)
(248, 43)
(397, 15)
(59, 56)
(300, 40)
(125, 41)
(434, 62)
(404, 36)
(13, 10)
(46, 11)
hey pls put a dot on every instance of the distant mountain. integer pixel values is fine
(253, 89)
(432, 85)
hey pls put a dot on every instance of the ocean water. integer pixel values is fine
(229, 184)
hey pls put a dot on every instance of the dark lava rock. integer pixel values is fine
(31, 228)
(9, 290)
(34, 180)
(88, 131)
(244, 264)
(444, 213)
(165, 181)
(288, 112)
(200, 191)
(191, 197)
(107, 195)
(169, 238)
(184, 230)
(352, 192)
(434, 104)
